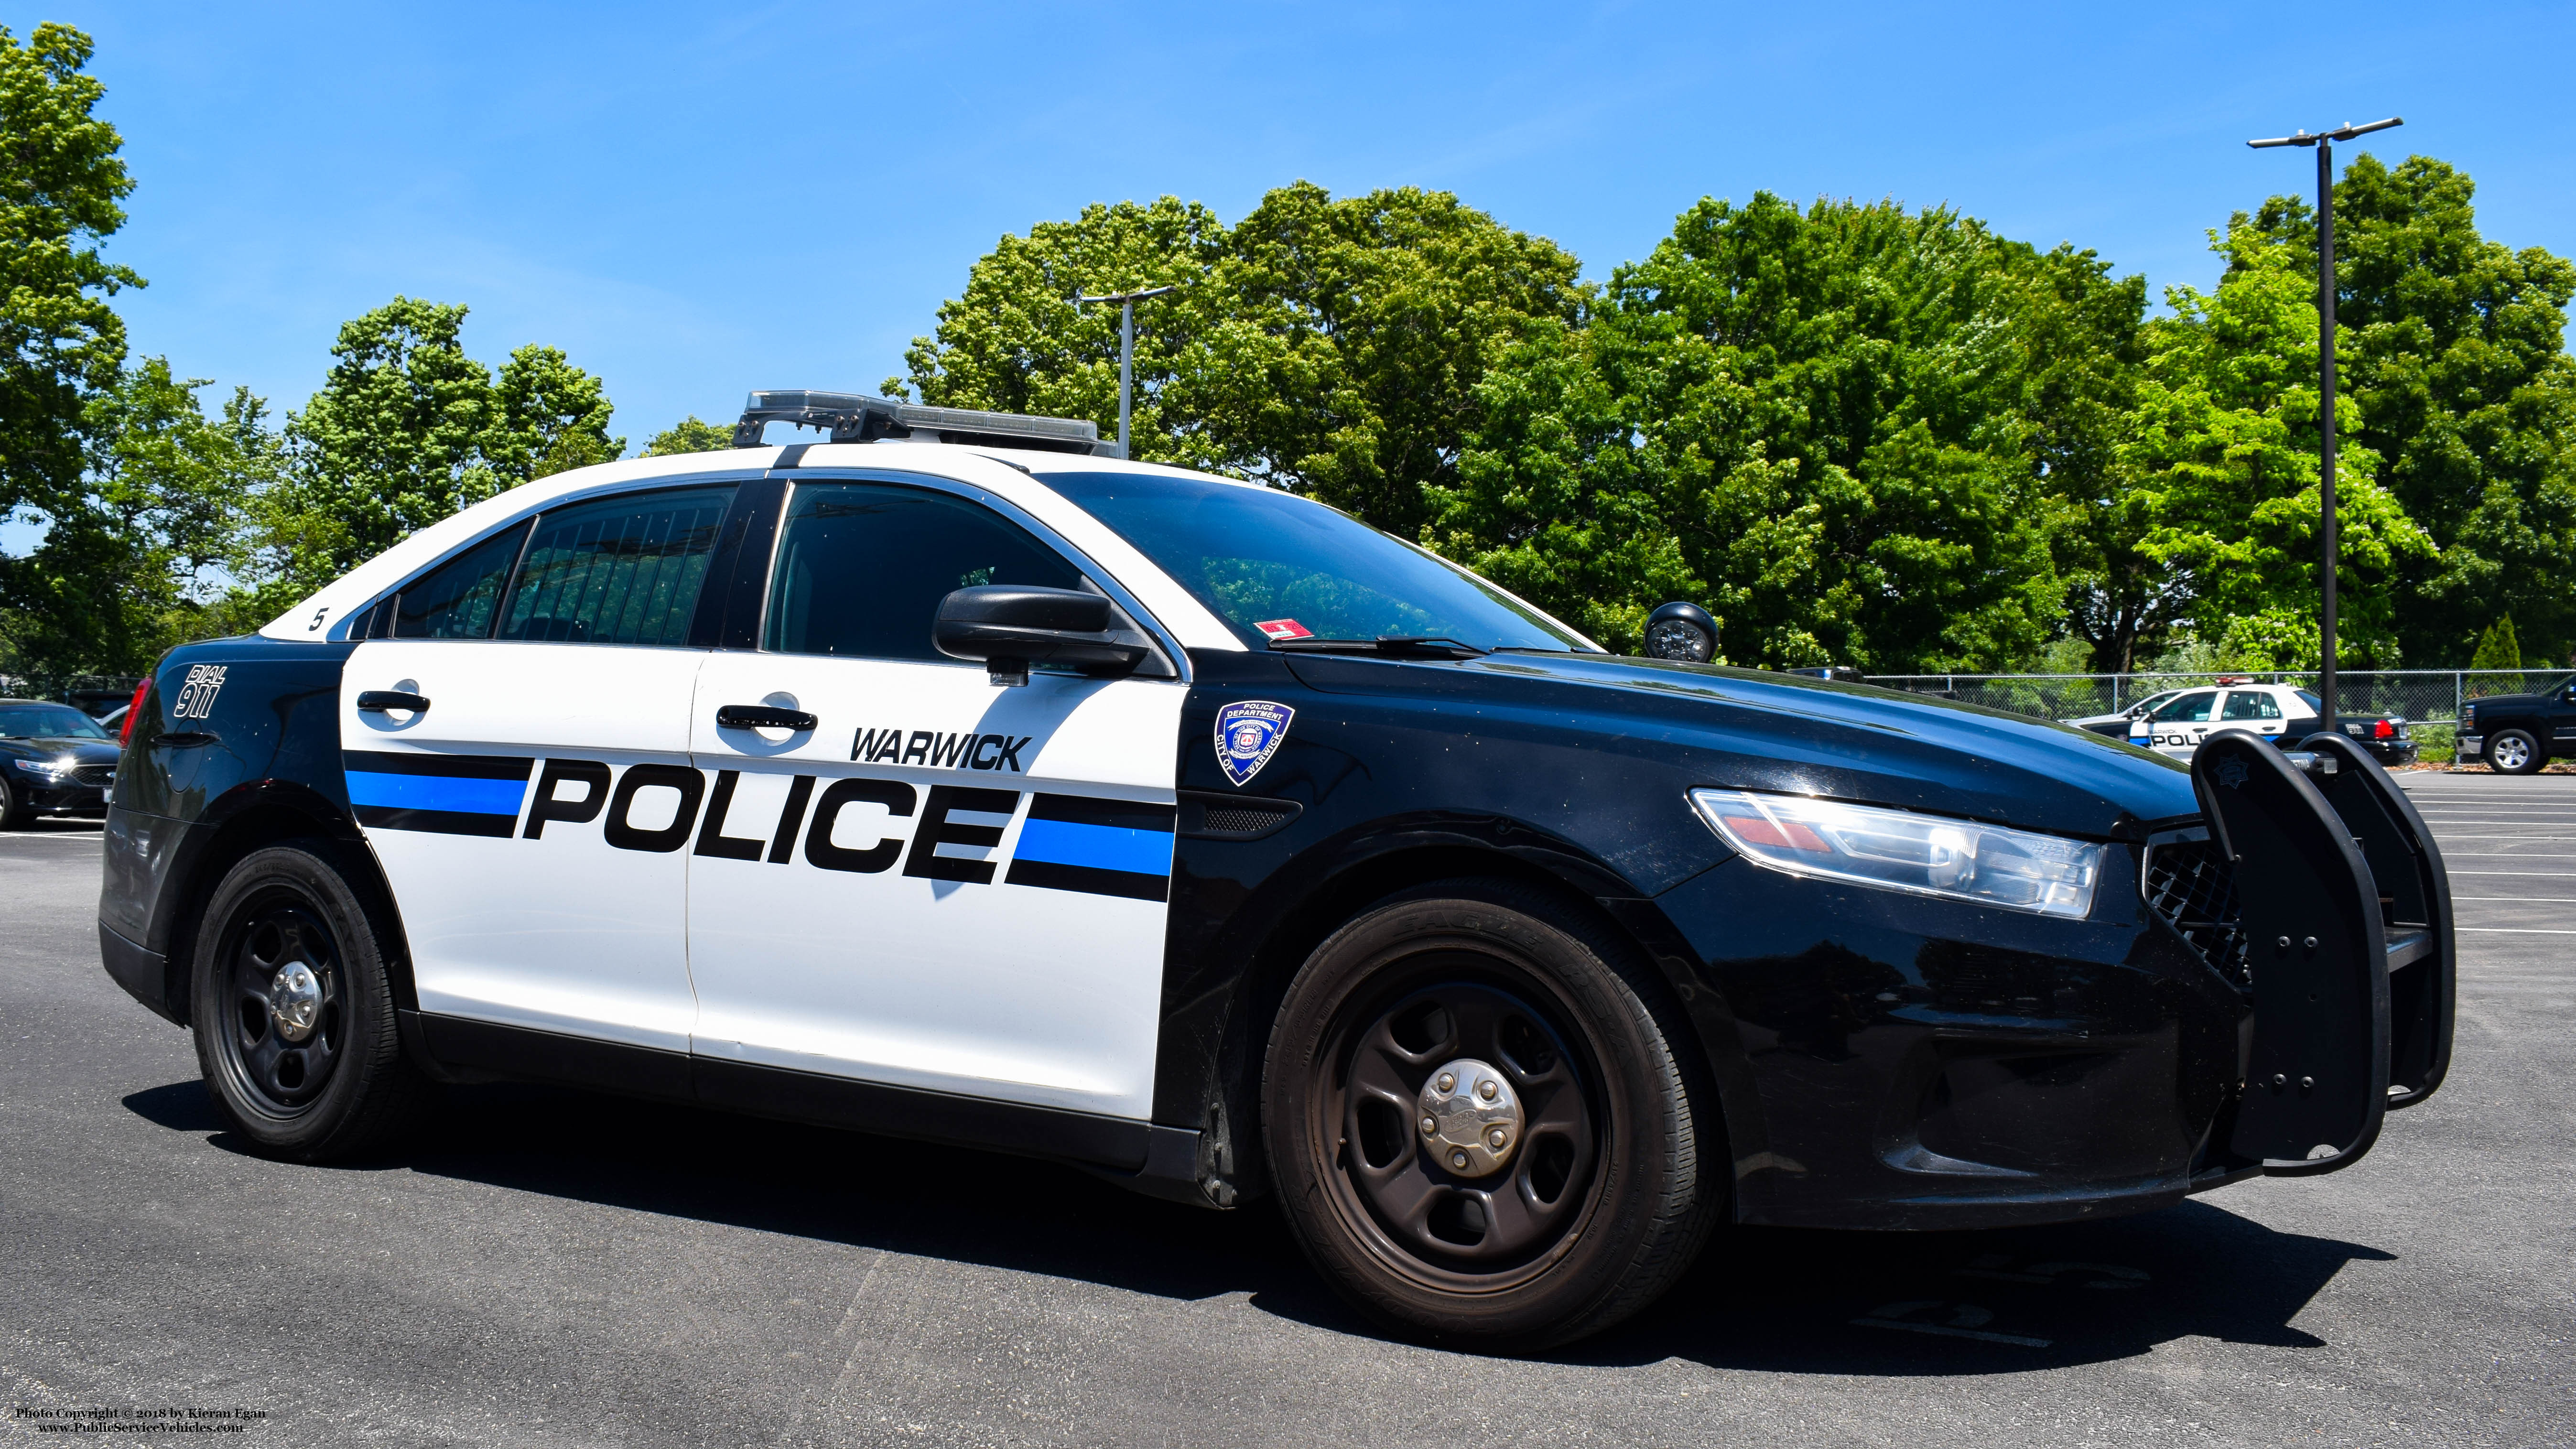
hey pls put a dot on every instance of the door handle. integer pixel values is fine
(377, 701)
(762, 717)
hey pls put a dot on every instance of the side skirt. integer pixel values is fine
(1160, 1161)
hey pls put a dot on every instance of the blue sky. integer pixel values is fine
(696, 201)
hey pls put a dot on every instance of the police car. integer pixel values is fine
(952, 778)
(2276, 712)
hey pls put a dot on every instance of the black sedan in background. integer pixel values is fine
(54, 760)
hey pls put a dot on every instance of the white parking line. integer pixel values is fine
(2538, 900)
(2511, 931)
(2552, 874)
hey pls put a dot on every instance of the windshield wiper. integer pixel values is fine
(1399, 646)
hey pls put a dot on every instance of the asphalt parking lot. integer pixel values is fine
(552, 1268)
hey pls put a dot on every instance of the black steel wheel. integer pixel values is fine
(292, 1010)
(2514, 752)
(1482, 1122)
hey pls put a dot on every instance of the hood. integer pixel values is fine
(1752, 729)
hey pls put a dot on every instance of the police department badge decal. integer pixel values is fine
(1248, 733)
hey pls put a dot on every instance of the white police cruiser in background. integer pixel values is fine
(951, 779)
(2179, 726)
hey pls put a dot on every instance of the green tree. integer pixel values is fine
(2499, 649)
(1357, 332)
(1822, 422)
(154, 549)
(2453, 348)
(2225, 446)
(1330, 345)
(1015, 341)
(60, 341)
(548, 416)
(689, 435)
(407, 429)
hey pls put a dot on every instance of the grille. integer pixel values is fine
(95, 774)
(2194, 888)
(1241, 820)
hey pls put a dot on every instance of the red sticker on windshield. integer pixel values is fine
(1283, 629)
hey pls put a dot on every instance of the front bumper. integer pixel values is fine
(66, 799)
(1929, 1064)
(2472, 747)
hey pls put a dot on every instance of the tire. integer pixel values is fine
(1592, 1064)
(2514, 752)
(15, 811)
(342, 1085)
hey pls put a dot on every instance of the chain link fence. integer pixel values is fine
(2430, 699)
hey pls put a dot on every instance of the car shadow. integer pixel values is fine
(1775, 1299)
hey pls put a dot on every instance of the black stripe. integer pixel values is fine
(442, 822)
(1092, 810)
(792, 456)
(465, 767)
(1089, 879)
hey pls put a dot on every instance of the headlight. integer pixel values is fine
(45, 769)
(1924, 854)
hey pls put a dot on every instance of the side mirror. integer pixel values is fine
(1008, 627)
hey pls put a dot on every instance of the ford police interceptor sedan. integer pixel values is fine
(2276, 712)
(952, 779)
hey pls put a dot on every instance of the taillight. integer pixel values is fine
(2383, 730)
(133, 712)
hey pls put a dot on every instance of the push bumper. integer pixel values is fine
(2343, 924)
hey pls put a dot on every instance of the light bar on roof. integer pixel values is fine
(857, 418)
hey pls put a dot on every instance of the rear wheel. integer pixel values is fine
(292, 1010)
(1480, 1120)
(2513, 752)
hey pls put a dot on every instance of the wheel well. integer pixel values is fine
(261, 825)
(1305, 924)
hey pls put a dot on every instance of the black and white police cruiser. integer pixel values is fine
(949, 778)
(2280, 713)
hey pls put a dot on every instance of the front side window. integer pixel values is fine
(460, 598)
(1275, 566)
(47, 722)
(2249, 704)
(2192, 708)
(623, 570)
(862, 567)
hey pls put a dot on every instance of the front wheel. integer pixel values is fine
(1481, 1120)
(2513, 752)
(17, 812)
(292, 1009)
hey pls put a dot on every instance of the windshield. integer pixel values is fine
(46, 722)
(1277, 567)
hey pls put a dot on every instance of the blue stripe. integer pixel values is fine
(437, 792)
(1102, 847)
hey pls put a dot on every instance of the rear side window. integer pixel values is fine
(2251, 704)
(862, 568)
(623, 570)
(461, 597)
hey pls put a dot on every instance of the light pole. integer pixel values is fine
(2324, 142)
(1126, 346)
